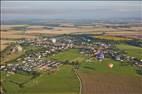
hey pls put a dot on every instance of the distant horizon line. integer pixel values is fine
(71, 0)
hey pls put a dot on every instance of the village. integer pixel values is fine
(51, 45)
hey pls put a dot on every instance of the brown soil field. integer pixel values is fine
(105, 83)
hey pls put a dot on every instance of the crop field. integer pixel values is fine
(131, 50)
(63, 81)
(106, 83)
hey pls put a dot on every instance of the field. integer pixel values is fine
(106, 83)
(98, 78)
(5, 43)
(70, 55)
(112, 38)
(91, 64)
(3, 46)
(8, 56)
(14, 35)
(131, 50)
(10, 33)
(64, 81)
(11, 57)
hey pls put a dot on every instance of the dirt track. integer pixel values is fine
(110, 84)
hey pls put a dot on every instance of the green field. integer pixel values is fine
(91, 64)
(63, 81)
(70, 55)
(131, 50)
(102, 67)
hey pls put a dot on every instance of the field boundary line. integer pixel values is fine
(80, 81)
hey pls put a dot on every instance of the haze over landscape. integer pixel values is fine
(40, 12)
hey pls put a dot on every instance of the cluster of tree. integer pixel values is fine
(108, 41)
(75, 64)
(135, 42)
(139, 70)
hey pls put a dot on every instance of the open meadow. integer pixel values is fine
(131, 50)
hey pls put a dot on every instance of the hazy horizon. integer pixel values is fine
(25, 11)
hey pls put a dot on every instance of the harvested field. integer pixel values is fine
(2, 47)
(8, 37)
(14, 35)
(26, 31)
(56, 30)
(11, 57)
(4, 44)
(105, 83)
(125, 34)
(6, 41)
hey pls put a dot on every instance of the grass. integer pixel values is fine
(10, 83)
(70, 55)
(131, 50)
(94, 65)
(63, 81)
(102, 67)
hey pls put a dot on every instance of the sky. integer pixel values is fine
(70, 10)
